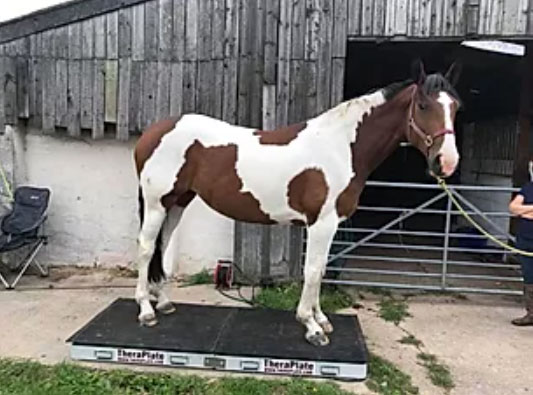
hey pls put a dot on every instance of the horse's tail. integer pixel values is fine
(155, 267)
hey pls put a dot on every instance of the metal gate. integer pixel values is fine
(412, 237)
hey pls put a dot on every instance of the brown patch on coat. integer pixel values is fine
(281, 136)
(210, 172)
(347, 201)
(150, 139)
(307, 193)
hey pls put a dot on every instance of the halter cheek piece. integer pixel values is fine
(428, 139)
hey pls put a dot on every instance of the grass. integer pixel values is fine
(387, 379)
(286, 297)
(32, 378)
(438, 373)
(393, 310)
(202, 277)
(411, 340)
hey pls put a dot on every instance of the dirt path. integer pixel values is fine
(485, 354)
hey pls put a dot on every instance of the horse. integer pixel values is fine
(308, 174)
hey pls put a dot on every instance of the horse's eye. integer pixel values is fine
(422, 106)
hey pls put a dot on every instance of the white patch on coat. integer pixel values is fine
(449, 156)
(264, 169)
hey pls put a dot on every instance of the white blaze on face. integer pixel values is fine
(449, 157)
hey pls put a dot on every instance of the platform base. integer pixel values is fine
(222, 338)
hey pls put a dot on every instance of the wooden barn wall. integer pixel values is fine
(245, 61)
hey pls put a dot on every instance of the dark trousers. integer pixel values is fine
(526, 261)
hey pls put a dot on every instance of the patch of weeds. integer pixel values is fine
(287, 296)
(32, 378)
(438, 373)
(411, 340)
(385, 378)
(202, 277)
(377, 291)
(393, 310)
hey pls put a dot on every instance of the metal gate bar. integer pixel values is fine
(453, 258)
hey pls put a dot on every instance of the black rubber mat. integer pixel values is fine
(223, 331)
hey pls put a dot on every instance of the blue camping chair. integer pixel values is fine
(23, 226)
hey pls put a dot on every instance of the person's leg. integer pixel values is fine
(527, 273)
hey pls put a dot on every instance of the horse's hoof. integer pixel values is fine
(148, 320)
(318, 339)
(326, 326)
(166, 308)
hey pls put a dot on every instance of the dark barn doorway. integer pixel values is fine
(489, 88)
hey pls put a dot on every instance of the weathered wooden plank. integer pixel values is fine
(205, 100)
(86, 100)
(61, 100)
(389, 28)
(111, 90)
(23, 46)
(98, 99)
(378, 23)
(205, 13)
(231, 33)
(61, 42)
(243, 91)
(258, 47)
(340, 26)
(514, 19)
(298, 26)
(87, 39)
(151, 30)
(297, 92)
(164, 75)
(176, 89)
(426, 8)
(123, 115)
(218, 87)
(165, 29)
(310, 83)
(229, 105)
(138, 33)
(48, 95)
(48, 44)
(36, 98)
(74, 41)
(495, 20)
(23, 101)
(36, 45)
(271, 41)
(217, 31)
(74, 98)
(100, 35)
(10, 90)
(366, 17)
(178, 29)
(337, 81)
(112, 35)
(191, 30)
(136, 96)
(324, 58)
(354, 17)
(284, 55)
(312, 29)
(125, 21)
(269, 107)
(2, 95)
(149, 92)
(469, 14)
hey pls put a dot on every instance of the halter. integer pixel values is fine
(428, 139)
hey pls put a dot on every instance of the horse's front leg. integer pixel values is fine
(320, 236)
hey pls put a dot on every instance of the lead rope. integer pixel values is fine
(442, 183)
(6, 184)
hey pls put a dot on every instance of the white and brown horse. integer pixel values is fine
(311, 174)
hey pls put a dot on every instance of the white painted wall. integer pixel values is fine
(93, 214)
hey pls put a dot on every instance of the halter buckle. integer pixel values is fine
(428, 140)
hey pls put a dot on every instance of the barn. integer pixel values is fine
(80, 81)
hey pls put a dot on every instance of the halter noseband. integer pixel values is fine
(428, 139)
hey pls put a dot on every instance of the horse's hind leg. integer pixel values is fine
(320, 237)
(154, 215)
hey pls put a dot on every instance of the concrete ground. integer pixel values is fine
(486, 355)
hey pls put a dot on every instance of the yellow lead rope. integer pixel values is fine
(442, 183)
(6, 184)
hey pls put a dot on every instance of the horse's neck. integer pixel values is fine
(379, 134)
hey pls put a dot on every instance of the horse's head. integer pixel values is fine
(432, 110)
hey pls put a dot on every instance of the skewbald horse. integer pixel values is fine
(311, 174)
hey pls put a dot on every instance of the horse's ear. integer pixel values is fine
(418, 72)
(454, 72)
